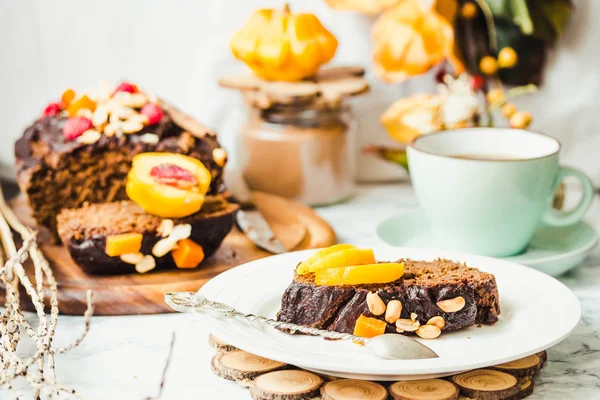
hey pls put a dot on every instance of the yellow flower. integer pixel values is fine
(280, 45)
(412, 116)
(409, 40)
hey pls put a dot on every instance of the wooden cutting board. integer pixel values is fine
(297, 226)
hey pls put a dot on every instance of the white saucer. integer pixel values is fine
(537, 312)
(553, 250)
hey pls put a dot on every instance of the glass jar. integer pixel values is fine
(302, 154)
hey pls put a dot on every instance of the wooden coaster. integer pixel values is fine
(325, 90)
(238, 365)
(427, 389)
(487, 384)
(218, 344)
(523, 367)
(292, 384)
(345, 389)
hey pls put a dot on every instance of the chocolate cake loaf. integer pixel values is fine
(80, 150)
(84, 231)
(420, 291)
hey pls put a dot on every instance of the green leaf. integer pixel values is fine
(557, 12)
(514, 10)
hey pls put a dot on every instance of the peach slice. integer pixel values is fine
(343, 258)
(360, 274)
(168, 185)
(304, 267)
(369, 327)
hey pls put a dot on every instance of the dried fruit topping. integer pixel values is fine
(188, 254)
(124, 243)
(360, 274)
(153, 112)
(168, 185)
(344, 258)
(82, 102)
(51, 110)
(126, 87)
(304, 266)
(173, 175)
(369, 327)
(67, 97)
(74, 127)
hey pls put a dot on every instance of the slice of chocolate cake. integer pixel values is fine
(423, 291)
(80, 149)
(85, 231)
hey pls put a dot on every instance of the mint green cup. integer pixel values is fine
(485, 206)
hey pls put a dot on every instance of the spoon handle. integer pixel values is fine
(194, 302)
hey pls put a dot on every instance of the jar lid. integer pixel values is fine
(326, 90)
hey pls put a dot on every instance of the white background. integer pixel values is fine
(179, 48)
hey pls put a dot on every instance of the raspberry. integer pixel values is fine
(173, 175)
(439, 76)
(126, 87)
(477, 82)
(74, 127)
(153, 112)
(51, 110)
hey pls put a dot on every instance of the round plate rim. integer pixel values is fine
(219, 330)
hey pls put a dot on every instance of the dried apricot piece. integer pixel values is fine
(303, 267)
(124, 243)
(82, 102)
(360, 274)
(344, 258)
(369, 327)
(188, 254)
(67, 97)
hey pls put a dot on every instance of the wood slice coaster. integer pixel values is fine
(238, 365)
(350, 389)
(543, 355)
(426, 389)
(523, 367)
(325, 90)
(286, 385)
(297, 226)
(487, 384)
(525, 389)
(218, 344)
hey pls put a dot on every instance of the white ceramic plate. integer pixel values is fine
(537, 312)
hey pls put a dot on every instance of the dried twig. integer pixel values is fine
(39, 369)
(165, 369)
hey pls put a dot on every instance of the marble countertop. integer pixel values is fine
(123, 357)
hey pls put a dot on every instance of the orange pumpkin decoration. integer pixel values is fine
(409, 40)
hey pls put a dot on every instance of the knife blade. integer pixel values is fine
(249, 218)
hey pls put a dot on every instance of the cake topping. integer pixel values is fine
(168, 185)
(428, 331)
(375, 304)
(84, 102)
(89, 137)
(153, 112)
(74, 127)
(360, 274)
(437, 321)
(51, 110)
(132, 258)
(369, 327)
(393, 311)
(406, 325)
(452, 305)
(343, 258)
(124, 243)
(188, 254)
(303, 268)
(126, 87)
(147, 264)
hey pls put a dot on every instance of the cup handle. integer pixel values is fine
(558, 218)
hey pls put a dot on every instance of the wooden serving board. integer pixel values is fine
(297, 226)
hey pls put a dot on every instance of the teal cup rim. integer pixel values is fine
(483, 128)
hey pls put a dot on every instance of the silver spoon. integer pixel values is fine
(392, 346)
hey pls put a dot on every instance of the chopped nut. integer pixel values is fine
(100, 116)
(84, 112)
(132, 258)
(375, 304)
(180, 232)
(163, 247)
(451, 305)
(147, 264)
(166, 227)
(220, 156)
(152, 98)
(141, 118)
(413, 316)
(428, 331)
(89, 137)
(112, 129)
(136, 100)
(149, 138)
(121, 113)
(437, 321)
(406, 325)
(131, 126)
(393, 311)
